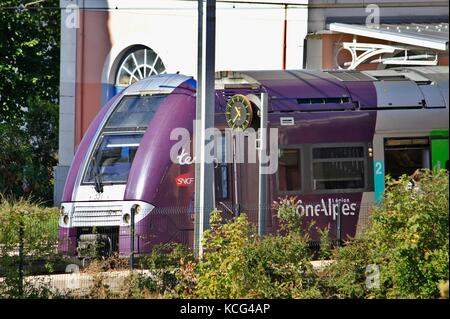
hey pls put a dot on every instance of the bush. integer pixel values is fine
(35, 228)
(164, 263)
(280, 267)
(287, 214)
(221, 272)
(325, 244)
(38, 223)
(238, 264)
(407, 240)
(138, 286)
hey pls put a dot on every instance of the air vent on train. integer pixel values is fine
(350, 75)
(286, 120)
(326, 100)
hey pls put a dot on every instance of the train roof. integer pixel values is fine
(308, 90)
(239, 79)
(158, 84)
(311, 90)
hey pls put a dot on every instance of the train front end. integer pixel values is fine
(120, 171)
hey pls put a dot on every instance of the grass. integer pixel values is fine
(38, 222)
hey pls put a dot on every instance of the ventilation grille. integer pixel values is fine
(287, 121)
(85, 216)
(327, 100)
(351, 76)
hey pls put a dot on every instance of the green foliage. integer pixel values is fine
(287, 213)
(29, 81)
(139, 286)
(407, 240)
(99, 289)
(238, 264)
(325, 247)
(164, 264)
(41, 128)
(15, 156)
(35, 228)
(443, 288)
(346, 277)
(29, 51)
(279, 267)
(221, 272)
(9, 289)
(39, 223)
(166, 256)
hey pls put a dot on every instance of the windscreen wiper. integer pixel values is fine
(98, 185)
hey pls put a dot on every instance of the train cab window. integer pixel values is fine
(338, 168)
(134, 112)
(289, 170)
(112, 161)
(406, 155)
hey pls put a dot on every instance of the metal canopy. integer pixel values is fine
(428, 35)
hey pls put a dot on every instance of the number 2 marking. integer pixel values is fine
(379, 168)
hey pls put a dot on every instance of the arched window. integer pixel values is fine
(138, 63)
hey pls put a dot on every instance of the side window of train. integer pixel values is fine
(406, 155)
(338, 168)
(222, 181)
(222, 171)
(289, 170)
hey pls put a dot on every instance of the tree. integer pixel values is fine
(29, 81)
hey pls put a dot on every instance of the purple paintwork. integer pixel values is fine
(153, 154)
(67, 240)
(337, 127)
(364, 93)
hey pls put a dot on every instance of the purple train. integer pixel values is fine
(339, 134)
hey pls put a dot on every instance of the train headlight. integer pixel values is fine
(136, 208)
(61, 210)
(66, 219)
(126, 218)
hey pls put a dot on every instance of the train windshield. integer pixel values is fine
(134, 112)
(111, 163)
(111, 160)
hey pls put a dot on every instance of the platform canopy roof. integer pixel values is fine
(428, 35)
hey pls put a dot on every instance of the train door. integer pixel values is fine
(397, 155)
(404, 155)
(236, 178)
(224, 179)
(439, 149)
(246, 172)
